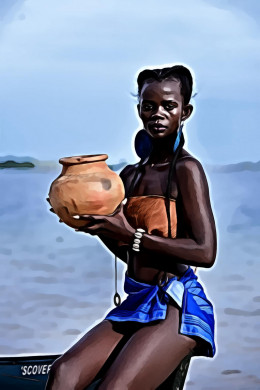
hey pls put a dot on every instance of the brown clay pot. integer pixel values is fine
(86, 185)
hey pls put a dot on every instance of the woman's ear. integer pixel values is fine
(186, 112)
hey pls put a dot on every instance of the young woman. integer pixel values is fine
(165, 228)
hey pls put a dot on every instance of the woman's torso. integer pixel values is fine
(146, 208)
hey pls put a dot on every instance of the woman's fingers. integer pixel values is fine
(100, 217)
(91, 218)
(94, 229)
(84, 217)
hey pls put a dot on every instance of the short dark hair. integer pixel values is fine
(178, 72)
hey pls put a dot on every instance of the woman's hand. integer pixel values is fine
(111, 226)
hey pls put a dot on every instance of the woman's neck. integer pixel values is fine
(162, 150)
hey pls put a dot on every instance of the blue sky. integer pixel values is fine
(67, 70)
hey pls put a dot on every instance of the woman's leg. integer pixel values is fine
(80, 364)
(149, 356)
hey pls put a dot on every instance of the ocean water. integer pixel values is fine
(56, 283)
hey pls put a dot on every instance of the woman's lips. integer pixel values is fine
(158, 127)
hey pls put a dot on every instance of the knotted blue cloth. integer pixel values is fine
(146, 303)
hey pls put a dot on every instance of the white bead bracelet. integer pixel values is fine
(137, 239)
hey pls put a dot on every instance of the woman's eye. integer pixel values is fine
(147, 107)
(169, 106)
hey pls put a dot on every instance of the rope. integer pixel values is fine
(117, 298)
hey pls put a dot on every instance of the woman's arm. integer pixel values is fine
(199, 249)
(119, 248)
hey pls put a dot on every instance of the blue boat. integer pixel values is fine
(31, 373)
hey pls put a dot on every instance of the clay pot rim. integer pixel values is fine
(81, 159)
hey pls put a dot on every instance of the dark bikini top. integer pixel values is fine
(149, 213)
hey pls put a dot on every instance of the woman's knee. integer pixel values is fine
(62, 376)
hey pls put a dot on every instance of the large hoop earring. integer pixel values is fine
(143, 144)
(178, 138)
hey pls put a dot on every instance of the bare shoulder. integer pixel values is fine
(190, 172)
(127, 174)
(188, 164)
(127, 171)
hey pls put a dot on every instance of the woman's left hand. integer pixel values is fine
(112, 226)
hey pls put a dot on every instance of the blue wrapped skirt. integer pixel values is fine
(146, 303)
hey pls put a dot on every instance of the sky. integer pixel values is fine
(68, 68)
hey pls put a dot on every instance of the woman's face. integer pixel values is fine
(161, 107)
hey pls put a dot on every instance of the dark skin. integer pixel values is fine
(161, 110)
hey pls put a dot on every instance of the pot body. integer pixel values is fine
(86, 185)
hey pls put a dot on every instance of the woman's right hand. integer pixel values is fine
(113, 226)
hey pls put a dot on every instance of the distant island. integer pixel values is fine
(238, 167)
(17, 162)
(25, 162)
(14, 164)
